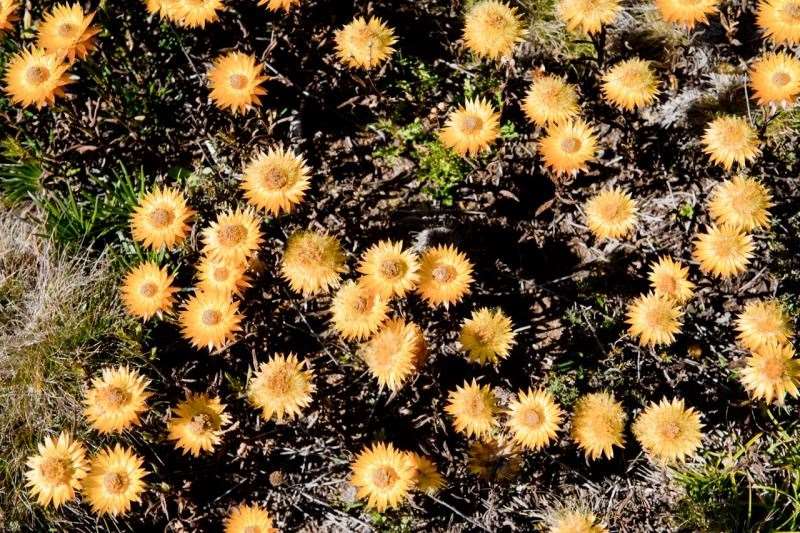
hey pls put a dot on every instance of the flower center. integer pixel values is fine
(391, 268)
(36, 75)
(611, 211)
(113, 397)
(384, 477)
(726, 246)
(532, 418)
(115, 482)
(221, 274)
(66, 29)
(310, 252)
(365, 38)
(633, 78)
(360, 305)
(211, 317)
(56, 470)
(791, 12)
(570, 145)
(161, 217)
(471, 124)
(148, 290)
(495, 20)
(475, 406)
(668, 284)
(773, 369)
(201, 423)
(485, 335)
(657, 316)
(672, 430)
(278, 382)
(238, 81)
(252, 529)
(275, 178)
(232, 234)
(781, 79)
(444, 274)
(733, 136)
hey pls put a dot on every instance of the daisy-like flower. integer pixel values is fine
(611, 213)
(723, 251)
(210, 320)
(762, 323)
(8, 15)
(742, 203)
(470, 129)
(494, 459)
(550, 100)
(396, 352)
(235, 80)
(729, 140)
(654, 319)
(473, 408)
(687, 13)
(116, 399)
(147, 290)
(534, 419)
(427, 476)
(389, 270)
(574, 521)
(34, 77)
(196, 423)
(281, 387)
(67, 32)
(276, 181)
(569, 146)
(161, 220)
(445, 275)
(383, 476)
(234, 236)
(197, 13)
(771, 373)
(630, 84)
(115, 480)
(165, 9)
(275, 5)
(492, 28)
(365, 43)
(779, 20)
(54, 474)
(775, 78)
(668, 431)
(598, 424)
(588, 16)
(312, 262)
(671, 279)
(223, 276)
(357, 311)
(487, 336)
(249, 519)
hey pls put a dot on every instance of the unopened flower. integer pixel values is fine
(313, 262)
(730, 140)
(395, 353)
(611, 214)
(357, 311)
(281, 387)
(763, 322)
(492, 28)
(741, 203)
(365, 43)
(487, 336)
(630, 84)
(654, 319)
(427, 476)
(550, 100)
(588, 16)
(723, 251)
(473, 408)
(598, 424)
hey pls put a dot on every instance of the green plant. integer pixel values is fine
(440, 170)
(20, 170)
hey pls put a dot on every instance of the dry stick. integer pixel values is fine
(459, 513)
(334, 509)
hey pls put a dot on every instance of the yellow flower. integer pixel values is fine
(611, 214)
(364, 43)
(492, 28)
(427, 476)
(8, 15)
(630, 84)
(654, 319)
(775, 78)
(394, 353)
(445, 275)
(771, 373)
(668, 431)
(210, 320)
(589, 16)
(34, 77)
(249, 519)
(276, 181)
(575, 521)
(670, 278)
(116, 399)
(471, 128)
(383, 475)
(161, 220)
(147, 290)
(687, 12)
(55, 473)
(115, 480)
(494, 459)
(763, 322)
(197, 13)
(568, 146)
(534, 418)
(281, 387)
(67, 32)
(275, 5)
(389, 270)
(312, 263)
(196, 423)
(357, 311)
(598, 424)
(166, 9)
(742, 203)
(487, 336)
(723, 251)
(235, 80)
(235, 236)
(473, 408)
(222, 276)
(730, 139)
(550, 100)
(779, 20)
